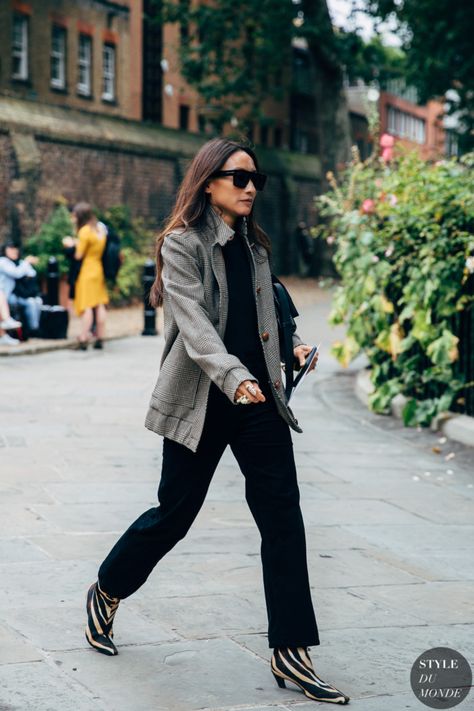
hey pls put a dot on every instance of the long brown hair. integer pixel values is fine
(84, 213)
(192, 200)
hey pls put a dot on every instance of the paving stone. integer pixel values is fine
(40, 686)
(206, 616)
(337, 512)
(341, 608)
(434, 602)
(183, 676)
(75, 546)
(427, 535)
(354, 567)
(19, 550)
(62, 627)
(14, 648)
(70, 518)
(39, 584)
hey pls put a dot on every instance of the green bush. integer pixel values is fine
(136, 242)
(404, 247)
(47, 242)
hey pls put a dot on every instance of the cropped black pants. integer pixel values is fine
(261, 442)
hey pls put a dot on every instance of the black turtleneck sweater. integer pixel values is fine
(241, 336)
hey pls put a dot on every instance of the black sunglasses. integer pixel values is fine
(241, 177)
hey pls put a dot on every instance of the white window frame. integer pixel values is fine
(406, 125)
(58, 54)
(20, 50)
(109, 61)
(84, 64)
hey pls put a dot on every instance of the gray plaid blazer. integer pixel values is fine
(195, 303)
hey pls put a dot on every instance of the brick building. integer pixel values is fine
(415, 126)
(84, 54)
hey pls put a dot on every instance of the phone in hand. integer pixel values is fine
(305, 367)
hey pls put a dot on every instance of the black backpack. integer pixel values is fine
(111, 257)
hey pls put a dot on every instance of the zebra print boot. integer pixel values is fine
(101, 609)
(293, 664)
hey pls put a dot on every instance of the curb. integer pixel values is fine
(46, 346)
(455, 426)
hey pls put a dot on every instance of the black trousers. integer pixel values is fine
(261, 442)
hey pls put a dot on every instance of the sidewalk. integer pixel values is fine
(389, 534)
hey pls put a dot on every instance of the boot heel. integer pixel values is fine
(279, 681)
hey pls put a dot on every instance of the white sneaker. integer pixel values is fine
(7, 340)
(10, 323)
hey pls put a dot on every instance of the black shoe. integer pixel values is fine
(293, 664)
(82, 345)
(98, 344)
(101, 611)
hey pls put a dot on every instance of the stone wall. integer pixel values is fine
(49, 153)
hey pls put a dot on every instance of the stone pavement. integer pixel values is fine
(389, 532)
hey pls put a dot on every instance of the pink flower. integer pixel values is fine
(389, 251)
(386, 143)
(331, 239)
(375, 259)
(368, 206)
(393, 199)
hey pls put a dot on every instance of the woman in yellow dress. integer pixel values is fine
(90, 288)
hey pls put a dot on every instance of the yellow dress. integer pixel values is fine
(90, 287)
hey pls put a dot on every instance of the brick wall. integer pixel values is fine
(48, 156)
(7, 172)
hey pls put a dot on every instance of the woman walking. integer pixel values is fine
(218, 385)
(90, 291)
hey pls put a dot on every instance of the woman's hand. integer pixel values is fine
(301, 352)
(243, 390)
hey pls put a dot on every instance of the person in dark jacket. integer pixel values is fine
(220, 384)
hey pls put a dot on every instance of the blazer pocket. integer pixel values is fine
(179, 377)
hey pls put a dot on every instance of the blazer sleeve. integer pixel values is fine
(182, 282)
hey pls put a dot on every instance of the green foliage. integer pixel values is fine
(370, 61)
(227, 52)
(136, 242)
(437, 39)
(237, 55)
(405, 252)
(47, 242)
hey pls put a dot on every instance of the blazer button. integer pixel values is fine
(259, 289)
(277, 383)
(265, 336)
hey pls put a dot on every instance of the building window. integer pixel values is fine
(58, 57)
(184, 117)
(84, 66)
(451, 144)
(277, 137)
(108, 72)
(20, 47)
(405, 125)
